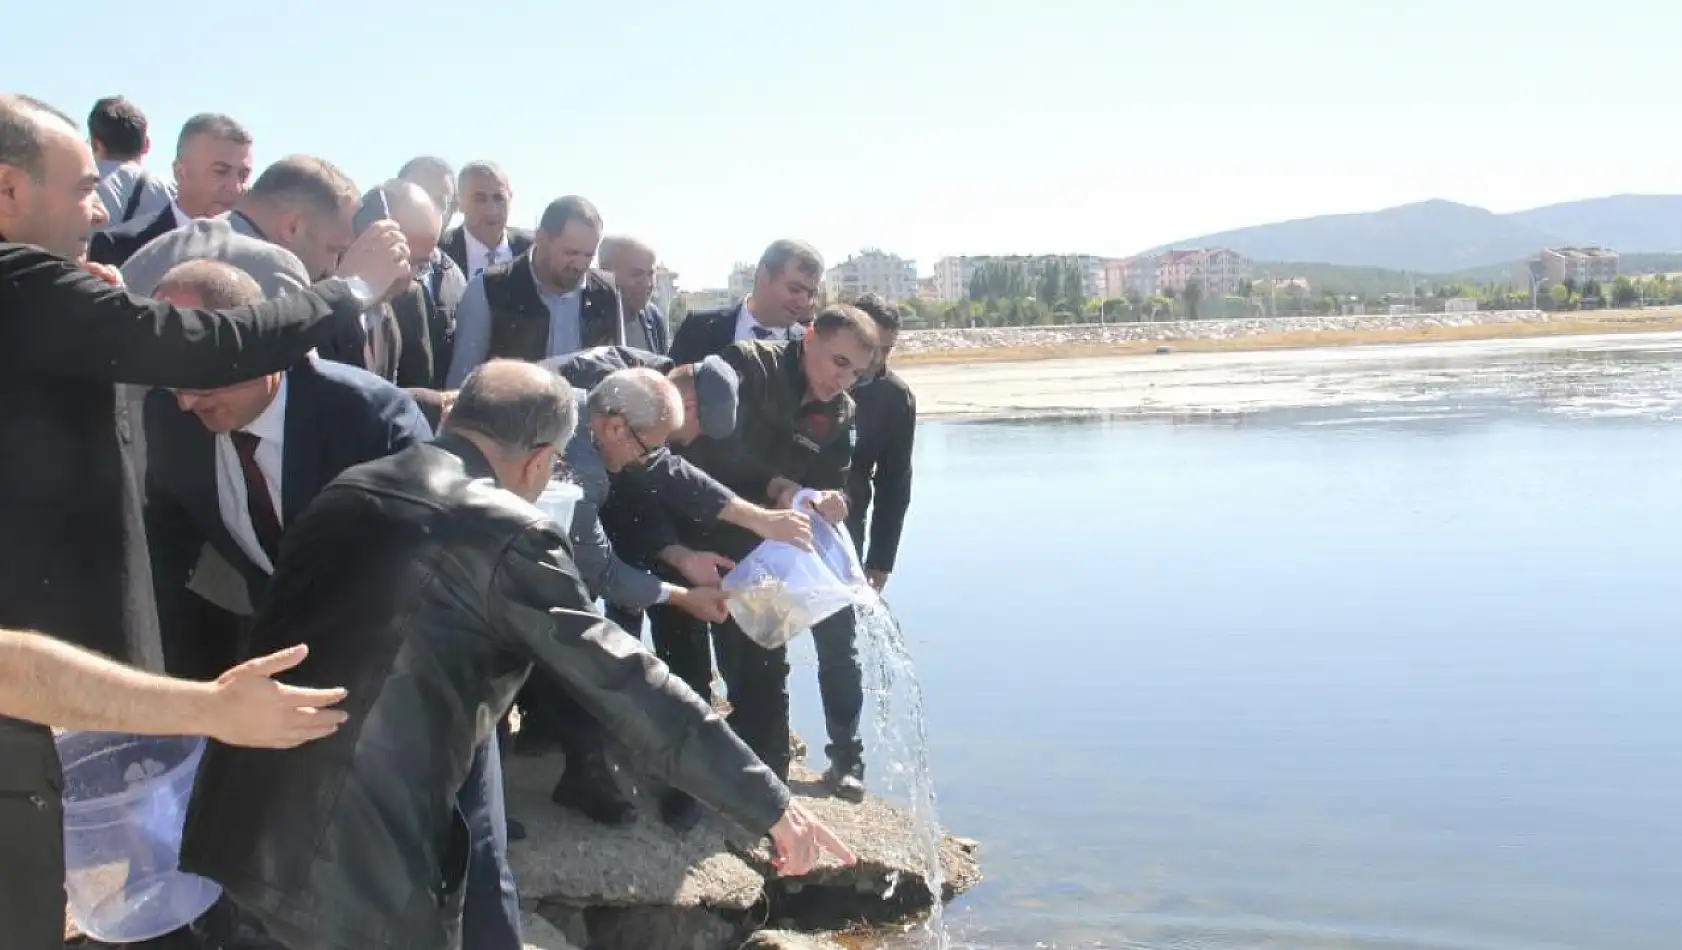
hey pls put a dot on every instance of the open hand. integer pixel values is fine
(787, 526)
(380, 256)
(104, 272)
(248, 708)
(800, 840)
(704, 568)
(703, 603)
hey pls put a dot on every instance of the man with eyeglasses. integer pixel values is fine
(624, 424)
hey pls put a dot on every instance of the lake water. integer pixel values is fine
(1398, 668)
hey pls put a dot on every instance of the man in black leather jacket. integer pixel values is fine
(427, 584)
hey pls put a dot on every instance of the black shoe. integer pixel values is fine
(587, 787)
(680, 811)
(845, 780)
(516, 830)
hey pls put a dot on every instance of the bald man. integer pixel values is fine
(441, 280)
(631, 262)
(385, 346)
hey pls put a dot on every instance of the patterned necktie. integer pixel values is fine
(259, 505)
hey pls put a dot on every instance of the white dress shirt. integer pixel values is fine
(745, 323)
(270, 429)
(480, 257)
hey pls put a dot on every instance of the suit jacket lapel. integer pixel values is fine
(300, 453)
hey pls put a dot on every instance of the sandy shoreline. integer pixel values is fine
(1010, 345)
(1234, 380)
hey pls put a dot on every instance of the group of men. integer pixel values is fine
(242, 377)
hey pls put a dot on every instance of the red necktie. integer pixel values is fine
(258, 504)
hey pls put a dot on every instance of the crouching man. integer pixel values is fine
(428, 585)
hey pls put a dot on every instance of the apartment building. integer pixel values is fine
(952, 274)
(1128, 276)
(713, 298)
(871, 271)
(741, 279)
(1217, 270)
(1578, 264)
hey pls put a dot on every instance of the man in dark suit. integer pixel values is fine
(382, 344)
(784, 287)
(484, 238)
(291, 432)
(441, 280)
(73, 557)
(212, 165)
(549, 302)
(235, 467)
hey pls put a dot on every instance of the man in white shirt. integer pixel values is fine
(785, 285)
(483, 239)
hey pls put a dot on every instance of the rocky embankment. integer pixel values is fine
(587, 887)
(1007, 338)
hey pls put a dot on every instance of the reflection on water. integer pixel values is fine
(1397, 672)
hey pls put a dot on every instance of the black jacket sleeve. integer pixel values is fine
(892, 484)
(415, 358)
(56, 319)
(689, 345)
(540, 604)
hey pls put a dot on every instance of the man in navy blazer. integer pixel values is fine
(234, 467)
(288, 433)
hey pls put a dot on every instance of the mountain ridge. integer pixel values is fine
(1439, 236)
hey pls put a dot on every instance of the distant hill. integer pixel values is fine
(1444, 237)
(1624, 223)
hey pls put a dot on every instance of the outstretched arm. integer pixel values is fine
(50, 682)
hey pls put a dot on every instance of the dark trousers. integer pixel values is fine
(683, 644)
(491, 906)
(757, 679)
(552, 715)
(32, 827)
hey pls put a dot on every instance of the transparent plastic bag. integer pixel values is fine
(834, 545)
(779, 590)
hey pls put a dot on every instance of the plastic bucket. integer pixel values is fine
(125, 800)
(558, 500)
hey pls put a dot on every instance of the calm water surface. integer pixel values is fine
(1401, 672)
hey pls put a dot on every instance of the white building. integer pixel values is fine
(871, 271)
(952, 274)
(741, 280)
(713, 298)
(951, 277)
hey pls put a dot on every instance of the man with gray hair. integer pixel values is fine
(484, 239)
(431, 586)
(632, 264)
(212, 165)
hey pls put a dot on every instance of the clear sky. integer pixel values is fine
(924, 127)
